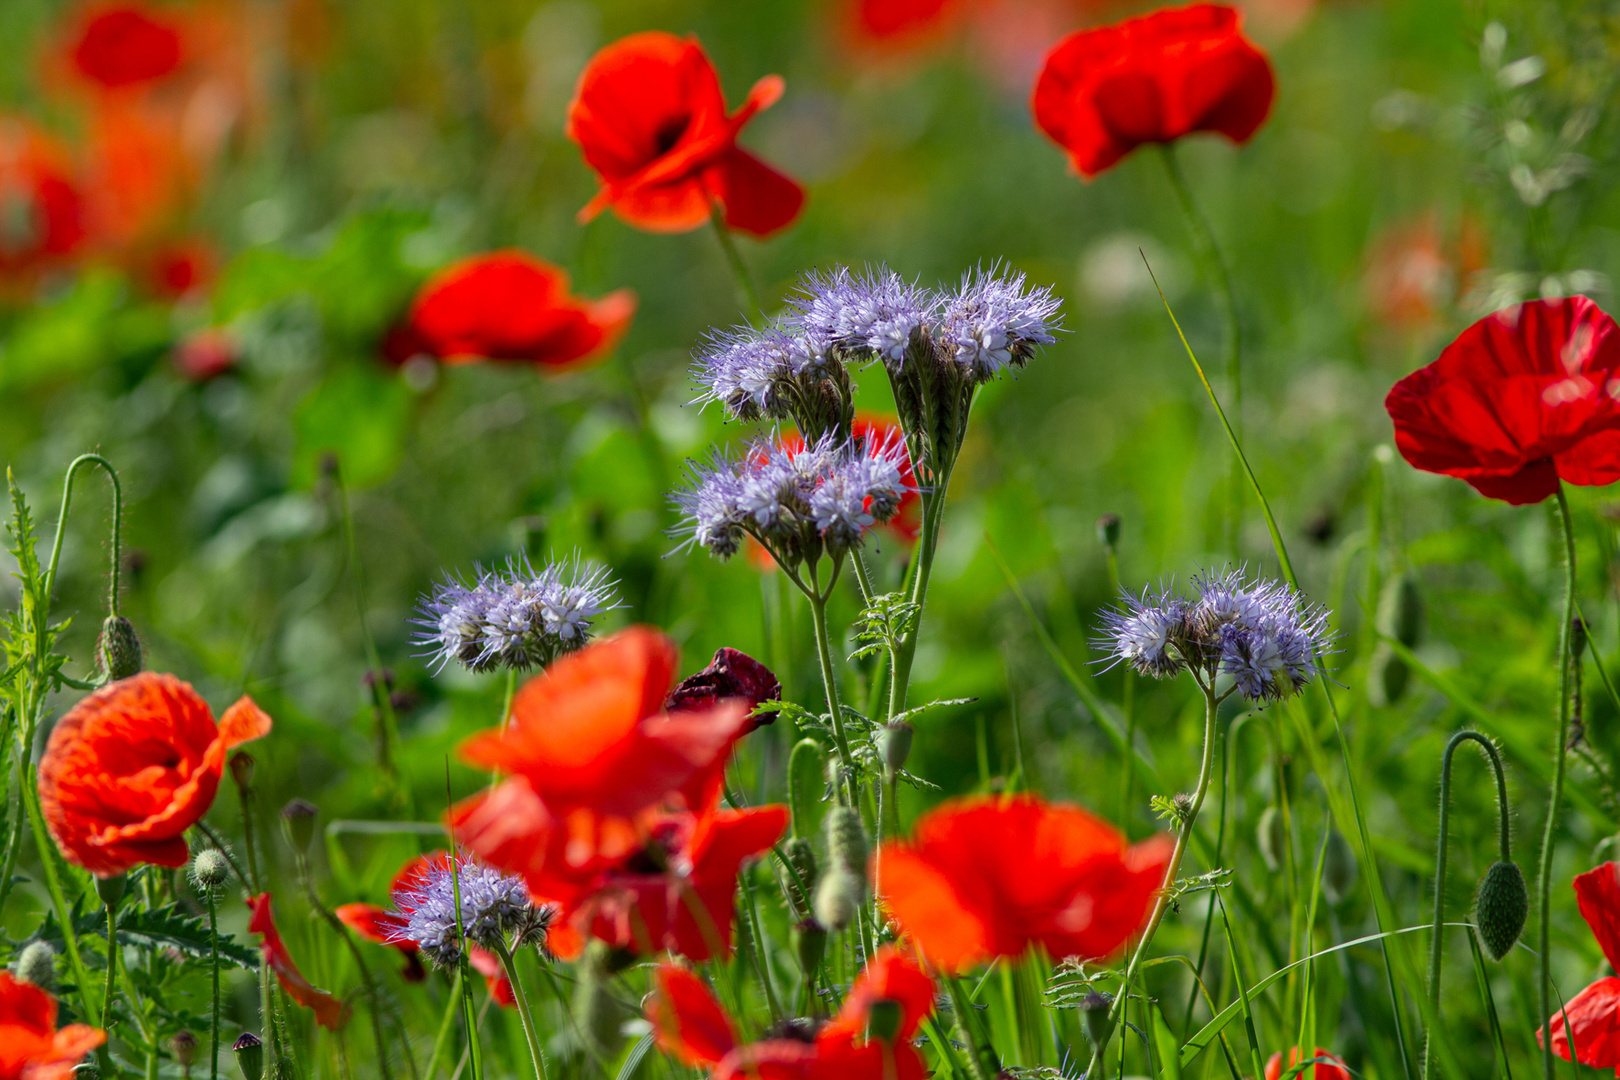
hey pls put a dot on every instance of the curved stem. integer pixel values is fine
(1440, 869)
(1544, 872)
(739, 272)
(117, 525)
(521, 998)
(1206, 771)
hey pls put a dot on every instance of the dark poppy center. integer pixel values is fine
(670, 131)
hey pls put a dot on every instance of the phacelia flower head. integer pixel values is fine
(786, 371)
(497, 912)
(995, 321)
(872, 315)
(518, 618)
(1263, 634)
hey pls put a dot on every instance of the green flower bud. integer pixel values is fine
(838, 897)
(846, 841)
(184, 1047)
(249, 1056)
(210, 869)
(810, 943)
(1094, 1015)
(87, 1070)
(1339, 868)
(111, 889)
(118, 648)
(1500, 907)
(37, 964)
(1108, 531)
(1272, 838)
(298, 822)
(802, 857)
(894, 745)
(1387, 676)
(242, 768)
(807, 771)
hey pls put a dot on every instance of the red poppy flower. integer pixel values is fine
(378, 924)
(731, 674)
(650, 118)
(125, 45)
(43, 205)
(177, 269)
(1522, 399)
(133, 766)
(678, 892)
(592, 761)
(509, 305)
(898, 21)
(690, 1025)
(330, 1012)
(1332, 1069)
(1153, 79)
(31, 1046)
(205, 354)
(966, 887)
(1594, 1013)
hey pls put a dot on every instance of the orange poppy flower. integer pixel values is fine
(44, 214)
(31, 1047)
(986, 877)
(650, 118)
(1331, 1069)
(133, 766)
(330, 1012)
(1593, 1015)
(509, 305)
(119, 46)
(691, 1026)
(591, 760)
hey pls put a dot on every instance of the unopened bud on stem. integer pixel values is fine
(298, 819)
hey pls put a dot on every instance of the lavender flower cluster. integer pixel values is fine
(1264, 634)
(794, 499)
(496, 909)
(517, 618)
(992, 321)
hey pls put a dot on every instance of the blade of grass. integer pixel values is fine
(1490, 1003)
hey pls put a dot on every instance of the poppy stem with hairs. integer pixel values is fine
(211, 897)
(117, 525)
(1440, 869)
(521, 998)
(739, 272)
(1214, 267)
(933, 513)
(447, 1024)
(1206, 771)
(829, 677)
(111, 891)
(1544, 874)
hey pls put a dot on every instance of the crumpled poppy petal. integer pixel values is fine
(687, 1020)
(1594, 1017)
(758, 199)
(330, 1012)
(891, 975)
(31, 1047)
(1597, 894)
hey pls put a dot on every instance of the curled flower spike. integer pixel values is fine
(1263, 634)
(995, 321)
(496, 909)
(518, 619)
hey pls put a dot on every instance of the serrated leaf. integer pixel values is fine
(171, 928)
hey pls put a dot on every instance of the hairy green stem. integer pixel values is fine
(980, 1055)
(53, 886)
(829, 681)
(117, 526)
(521, 997)
(1544, 871)
(213, 950)
(1440, 868)
(446, 1025)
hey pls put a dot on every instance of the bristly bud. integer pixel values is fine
(36, 964)
(894, 745)
(87, 1070)
(249, 1056)
(1272, 838)
(810, 943)
(802, 858)
(846, 841)
(242, 764)
(210, 869)
(1094, 1009)
(184, 1046)
(1108, 531)
(1339, 867)
(111, 890)
(1577, 638)
(118, 648)
(298, 822)
(1500, 907)
(807, 782)
(838, 896)
(883, 1020)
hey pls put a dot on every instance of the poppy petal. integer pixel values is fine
(1594, 1017)
(687, 1020)
(330, 1012)
(758, 199)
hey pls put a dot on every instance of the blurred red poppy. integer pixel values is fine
(206, 353)
(379, 925)
(31, 1045)
(963, 892)
(509, 305)
(592, 761)
(118, 46)
(133, 766)
(1331, 1069)
(178, 269)
(41, 204)
(690, 1025)
(650, 118)
(1594, 1013)
(330, 1012)
(899, 21)
(489, 966)
(1522, 399)
(1152, 79)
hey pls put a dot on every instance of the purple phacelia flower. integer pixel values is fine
(496, 911)
(871, 315)
(994, 321)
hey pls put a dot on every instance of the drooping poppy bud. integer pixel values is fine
(1094, 1008)
(846, 841)
(802, 858)
(298, 821)
(118, 649)
(838, 896)
(36, 964)
(810, 943)
(894, 745)
(184, 1046)
(1500, 907)
(1108, 531)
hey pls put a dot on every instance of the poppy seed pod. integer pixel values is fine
(810, 943)
(298, 821)
(37, 964)
(111, 889)
(1094, 1008)
(894, 744)
(1108, 531)
(807, 771)
(249, 1056)
(1338, 868)
(1272, 838)
(210, 869)
(838, 895)
(118, 648)
(846, 841)
(1500, 907)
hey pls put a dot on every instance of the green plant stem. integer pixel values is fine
(756, 944)
(1440, 869)
(829, 680)
(446, 1026)
(53, 886)
(933, 514)
(521, 997)
(117, 529)
(978, 1053)
(213, 949)
(388, 723)
(111, 985)
(343, 934)
(1544, 871)
(739, 271)
(1206, 770)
